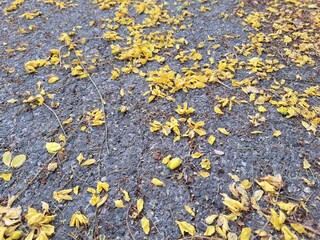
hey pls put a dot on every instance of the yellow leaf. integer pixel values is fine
(119, 204)
(53, 147)
(63, 195)
(196, 155)
(205, 164)
(52, 166)
(211, 139)
(102, 186)
(288, 235)
(189, 210)
(166, 160)
(283, 110)
(276, 220)
(18, 160)
(186, 227)
(53, 79)
(89, 162)
(140, 204)
(211, 218)
(126, 196)
(223, 131)
(76, 190)
(209, 231)
(298, 227)
(233, 205)
(145, 223)
(306, 164)
(121, 92)
(6, 176)
(12, 100)
(174, 163)
(204, 174)
(288, 207)
(245, 234)
(234, 177)
(80, 158)
(276, 133)
(78, 219)
(245, 184)
(266, 186)
(157, 182)
(217, 110)
(69, 120)
(262, 109)
(6, 158)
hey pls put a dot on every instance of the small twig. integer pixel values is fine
(128, 226)
(34, 177)
(64, 133)
(224, 84)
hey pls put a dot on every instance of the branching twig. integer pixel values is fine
(128, 226)
(102, 103)
(64, 133)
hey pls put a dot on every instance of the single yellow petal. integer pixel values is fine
(145, 223)
(174, 163)
(6, 158)
(210, 231)
(157, 182)
(53, 147)
(18, 160)
(186, 228)
(189, 210)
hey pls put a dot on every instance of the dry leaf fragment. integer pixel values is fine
(80, 158)
(233, 205)
(205, 164)
(186, 228)
(245, 234)
(157, 182)
(6, 176)
(218, 110)
(53, 147)
(246, 184)
(209, 231)
(211, 139)
(189, 210)
(63, 195)
(52, 166)
(140, 204)
(276, 133)
(299, 228)
(277, 220)
(266, 186)
(78, 219)
(211, 218)
(218, 152)
(126, 196)
(223, 131)
(196, 155)
(204, 174)
(145, 224)
(288, 235)
(306, 164)
(119, 203)
(89, 162)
